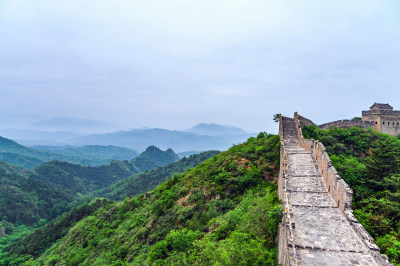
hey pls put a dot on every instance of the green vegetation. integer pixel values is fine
(25, 199)
(369, 162)
(83, 179)
(89, 155)
(27, 196)
(224, 211)
(93, 155)
(13, 252)
(146, 181)
(19, 155)
(276, 118)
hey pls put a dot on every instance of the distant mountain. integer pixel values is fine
(216, 130)
(30, 137)
(188, 153)
(199, 138)
(83, 179)
(153, 157)
(144, 182)
(19, 155)
(89, 155)
(72, 124)
(29, 158)
(178, 140)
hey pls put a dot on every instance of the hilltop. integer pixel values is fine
(83, 179)
(213, 129)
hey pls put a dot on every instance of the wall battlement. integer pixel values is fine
(381, 117)
(347, 124)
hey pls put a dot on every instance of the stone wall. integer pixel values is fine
(337, 188)
(347, 124)
(286, 251)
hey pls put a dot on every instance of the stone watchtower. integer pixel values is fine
(386, 119)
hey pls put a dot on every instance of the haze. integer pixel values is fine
(173, 64)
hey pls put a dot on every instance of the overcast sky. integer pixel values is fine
(175, 63)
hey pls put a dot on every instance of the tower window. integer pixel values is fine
(376, 123)
(383, 122)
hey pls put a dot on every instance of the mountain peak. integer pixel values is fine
(213, 129)
(153, 149)
(153, 155)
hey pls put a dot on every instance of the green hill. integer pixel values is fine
(26, 199)
(90, 155)
(370, 163)
(28, 196)
(86, 178)
(19, 155)
(146, 181)
(224, 211)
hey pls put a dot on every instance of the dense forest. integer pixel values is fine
(49, 190)
(29, 202)
(89, 155)
(146, 181)
(370, 163)
(224, 211)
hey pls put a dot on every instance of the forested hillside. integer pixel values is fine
(146, 181)
(370, 163)
(90, 155)
(26, 199)
(28, 196)
(19, 155)
(83, 179)
(224, 211)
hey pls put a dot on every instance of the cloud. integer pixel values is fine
(176, 63)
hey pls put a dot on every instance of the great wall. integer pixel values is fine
(318, 227)
(380, 117)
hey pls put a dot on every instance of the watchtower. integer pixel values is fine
(386, 119)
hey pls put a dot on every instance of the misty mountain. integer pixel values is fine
(82, 179)
(91, 152)
(178, 140)
(72, 124)
(219, 138)
(29, 158)
(30, 137)
(216, 130)
(16, 154)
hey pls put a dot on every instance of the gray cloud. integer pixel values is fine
(175, 63)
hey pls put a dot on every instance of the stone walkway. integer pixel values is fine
(320, 233)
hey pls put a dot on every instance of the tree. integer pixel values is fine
(277, 118)
(384, 161)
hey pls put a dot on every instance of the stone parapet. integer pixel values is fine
(339, 190)
(347, 124)
(380, 112)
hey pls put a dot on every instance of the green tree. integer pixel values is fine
(383, 162)
(277, 118)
